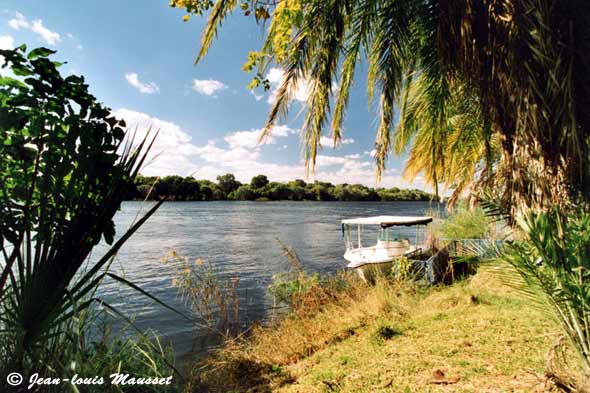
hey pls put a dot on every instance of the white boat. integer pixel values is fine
(390, 246)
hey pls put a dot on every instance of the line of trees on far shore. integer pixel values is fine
(260, 188)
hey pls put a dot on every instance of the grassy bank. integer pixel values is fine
(349, 337)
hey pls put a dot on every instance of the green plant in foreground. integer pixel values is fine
(139, 355)
(65, 168)
(553, 259)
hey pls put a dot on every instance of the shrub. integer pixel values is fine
(287, 288)
(463, 223)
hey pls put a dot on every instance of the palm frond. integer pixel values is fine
(220, 11)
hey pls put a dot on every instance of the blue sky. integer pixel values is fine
(137, 56)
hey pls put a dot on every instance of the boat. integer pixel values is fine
(391, 247)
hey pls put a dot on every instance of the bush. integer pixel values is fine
(214, 299)
(463, 223)
(287, 288)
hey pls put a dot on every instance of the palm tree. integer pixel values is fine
(448, 149)
(525, 63)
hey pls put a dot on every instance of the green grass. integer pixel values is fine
(487, 341)
(473, 335)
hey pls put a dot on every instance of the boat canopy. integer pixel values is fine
(388, 221)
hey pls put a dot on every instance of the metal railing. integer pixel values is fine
(481, 248)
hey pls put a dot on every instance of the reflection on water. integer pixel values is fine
(239, 239)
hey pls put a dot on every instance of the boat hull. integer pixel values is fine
(370, 271)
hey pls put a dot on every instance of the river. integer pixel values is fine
(239, 239)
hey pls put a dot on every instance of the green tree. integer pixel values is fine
(245, 193)
(206, 189)
(218, 195)
(188, 189)
(323, 191)
(341, 193)
(279, 191)
(299, 183)
(259, 181)
(228, 183)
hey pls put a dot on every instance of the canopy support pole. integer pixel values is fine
(359, 235)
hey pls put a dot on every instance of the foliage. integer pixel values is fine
(553, 259)
(515, 72)
(100, 353)
(463, 222)
(446, 145)
(402, 269)
(190, 189)
(286, 288)
(228, 183)
(64, 171)
(259, 181)
(215, 300)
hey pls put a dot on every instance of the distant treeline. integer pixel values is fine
(260, 188)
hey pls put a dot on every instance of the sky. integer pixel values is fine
(138, 58)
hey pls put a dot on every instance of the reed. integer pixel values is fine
(213, 299)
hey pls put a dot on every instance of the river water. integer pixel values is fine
(239, 239)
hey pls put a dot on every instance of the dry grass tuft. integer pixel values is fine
(391, 337)
(327, 314)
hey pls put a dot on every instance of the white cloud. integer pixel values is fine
(208, 87)
(326, 141)
(143, 88)
(36, 26)
(172, 150)
(275, 78)
(323, 161)
(249, 139)
(6, 42)
(302, 90)
(175, 152)
(228, 157)
(257, 97)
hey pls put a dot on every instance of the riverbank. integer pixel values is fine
(260, 188)
(472, 336)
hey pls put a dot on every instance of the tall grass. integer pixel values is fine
(462, 222)
(328, 312)
(211, 297)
